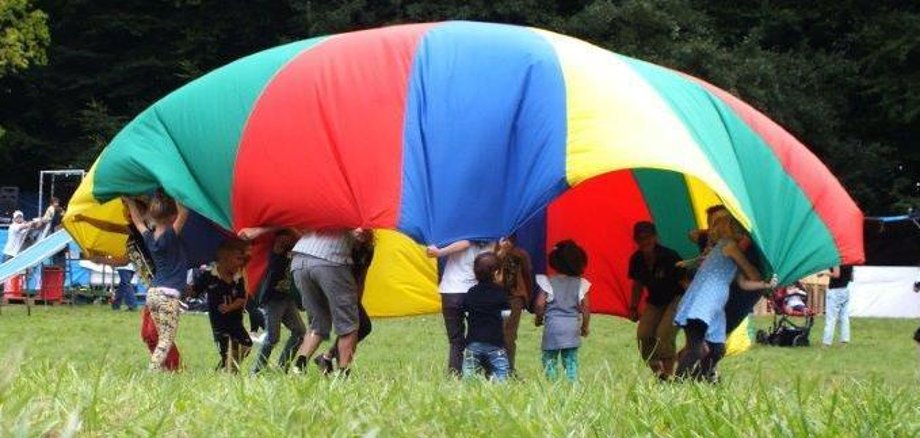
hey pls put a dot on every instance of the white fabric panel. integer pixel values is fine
(883, 291)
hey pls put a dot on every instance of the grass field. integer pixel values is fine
(81, 371)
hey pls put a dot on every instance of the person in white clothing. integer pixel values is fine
(456, 279)
(16, 235)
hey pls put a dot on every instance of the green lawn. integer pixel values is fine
(81, 371)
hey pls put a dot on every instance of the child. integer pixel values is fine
(517, 280)
(170, 265)
(483, 305)
(562, 306)
(701, 313)
(280, 300)
(457, 278)
(226, 301)
(653, 268)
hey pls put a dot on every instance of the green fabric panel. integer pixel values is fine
(794, 239)
(187, 142)
(668, 201)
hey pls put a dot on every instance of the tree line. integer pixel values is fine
(842, 76)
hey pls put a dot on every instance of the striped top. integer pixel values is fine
(334, 247)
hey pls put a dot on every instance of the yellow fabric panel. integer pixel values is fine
(701, 198)
(99, 229)
(618, 121)
(402, 279)
(739, 340)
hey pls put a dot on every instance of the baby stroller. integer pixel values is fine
(789, 304)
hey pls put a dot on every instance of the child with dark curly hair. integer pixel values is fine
(562, 307)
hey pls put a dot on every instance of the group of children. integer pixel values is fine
(501, 287)
(484, 289)
(502, 283)
(704, 296)
(160, 222)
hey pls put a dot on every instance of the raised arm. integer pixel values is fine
(693, 263)
(253, 233)
(460, 245)
(755, 285)
(181, 218)
(136, 217)
(732, 251)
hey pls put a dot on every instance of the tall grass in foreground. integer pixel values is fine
(81, 372)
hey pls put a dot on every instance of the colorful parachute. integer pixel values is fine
(463, 130)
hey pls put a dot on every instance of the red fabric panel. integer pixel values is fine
(830, 200)
(323, 146)
(599, 215)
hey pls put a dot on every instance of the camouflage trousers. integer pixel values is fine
(164, 309)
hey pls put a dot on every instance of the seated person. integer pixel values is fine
(226, 301)
(794, 300)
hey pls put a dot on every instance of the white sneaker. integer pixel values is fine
(257, 338)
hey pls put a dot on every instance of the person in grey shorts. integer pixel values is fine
(321, 269)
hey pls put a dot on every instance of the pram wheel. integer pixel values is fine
(762, 337)
(800, 341)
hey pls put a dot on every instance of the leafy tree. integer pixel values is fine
(841, 76)
(23, 36)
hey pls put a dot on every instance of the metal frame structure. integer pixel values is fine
(54, 174)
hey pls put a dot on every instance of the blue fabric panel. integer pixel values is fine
(532, 238)
(485, 132)
(201, 237)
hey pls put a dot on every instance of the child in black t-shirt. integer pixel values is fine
(226, 301)
(483, 305)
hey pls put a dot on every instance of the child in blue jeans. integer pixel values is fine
(562, 307)
(483, 305)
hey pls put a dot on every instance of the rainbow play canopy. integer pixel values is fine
(463, 130)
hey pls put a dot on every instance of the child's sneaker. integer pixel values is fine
(324, 364)
(300, 365)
